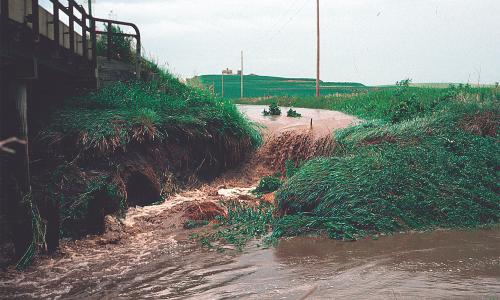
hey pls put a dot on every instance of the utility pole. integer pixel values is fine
(317, 49)
(241, 74)
(222, 83)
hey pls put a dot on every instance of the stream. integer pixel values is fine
(437, 265)
(153, 262)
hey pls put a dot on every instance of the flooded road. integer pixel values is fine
(149, 255)
(323, 121)
(434, 265)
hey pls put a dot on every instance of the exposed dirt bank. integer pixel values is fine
(147, 232)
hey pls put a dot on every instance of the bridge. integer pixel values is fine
(46, 55)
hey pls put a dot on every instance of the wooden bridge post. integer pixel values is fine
(71, 27)
(85, 49)
(5, 14)
(19, 188)
(55, 23)
(34, 20)
(93, 38)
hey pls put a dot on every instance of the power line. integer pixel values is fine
(286, 22)
(290, 19)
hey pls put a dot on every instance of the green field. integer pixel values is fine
(265, 86)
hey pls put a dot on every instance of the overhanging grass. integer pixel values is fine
(433, 164)
(118, 114)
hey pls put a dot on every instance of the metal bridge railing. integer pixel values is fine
(87, 24)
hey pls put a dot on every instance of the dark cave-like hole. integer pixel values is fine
(96, 212)
(141, 190)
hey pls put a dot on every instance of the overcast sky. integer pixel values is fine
(368, 41)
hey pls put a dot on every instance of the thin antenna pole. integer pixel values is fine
(317, 49)
(241, 74)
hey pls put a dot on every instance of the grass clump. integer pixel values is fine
(242, 224)
(293, 114)
(267, 184)
(427, 159)
(291, 168)
(274, 110)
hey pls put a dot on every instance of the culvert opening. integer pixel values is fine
(141, 190)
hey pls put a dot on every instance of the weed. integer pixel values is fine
(274, 110)
(242, 224)
(293, 114)
(267, 184)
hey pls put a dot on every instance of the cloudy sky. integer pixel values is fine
(368, 41)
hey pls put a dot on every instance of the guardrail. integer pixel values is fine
(76, 14)
(110, 35)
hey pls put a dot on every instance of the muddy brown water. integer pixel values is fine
(433, 265)
(158, 263)
(323, 121)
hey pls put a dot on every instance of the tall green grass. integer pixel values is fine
(112, 117)
(426, 158)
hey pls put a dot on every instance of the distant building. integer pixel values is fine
(239, 72)
(227, 71)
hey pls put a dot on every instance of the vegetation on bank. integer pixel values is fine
(119, 114)
(274, 110)
(132, 144)
(266, 86)
(424, 158)
(242, 224)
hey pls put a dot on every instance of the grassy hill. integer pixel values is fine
(263, 86)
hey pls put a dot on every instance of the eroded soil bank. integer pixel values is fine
(149, 254)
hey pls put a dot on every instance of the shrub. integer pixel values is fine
(293, 114)
(274, 110)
